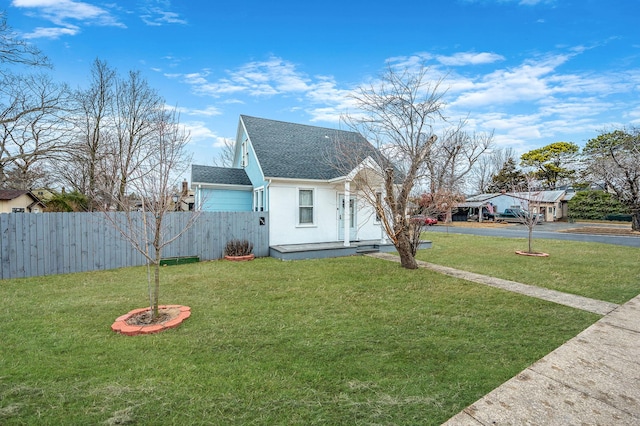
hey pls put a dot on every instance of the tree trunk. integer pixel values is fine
(407, 260)
(635, 220)
(156, 288)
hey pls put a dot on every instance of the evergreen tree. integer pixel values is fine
(507, 178)
(552, 162)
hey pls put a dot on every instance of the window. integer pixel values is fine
(378, 203)
(245, 153)
(17, 210)
(305, 206)
(258, 200)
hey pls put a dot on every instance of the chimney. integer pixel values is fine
(185, 188)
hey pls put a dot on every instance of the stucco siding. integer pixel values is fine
(23, 201)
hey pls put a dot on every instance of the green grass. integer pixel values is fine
(341, 341)
(599, 271)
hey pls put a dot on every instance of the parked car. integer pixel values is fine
(513, 215)
(424, 219)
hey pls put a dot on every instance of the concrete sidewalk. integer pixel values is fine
(572, 300)
(593, 379)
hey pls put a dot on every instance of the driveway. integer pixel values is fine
(580, 231)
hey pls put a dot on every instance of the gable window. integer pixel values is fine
(305, 206)
(245, 153)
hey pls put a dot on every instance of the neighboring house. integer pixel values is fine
(550, 203)
(18, 201)
(293, 172)
(43, 194)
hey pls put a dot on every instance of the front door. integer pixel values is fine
(352, 218)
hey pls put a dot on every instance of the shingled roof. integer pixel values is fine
(11, 194)
(298, 151)
(219, 175)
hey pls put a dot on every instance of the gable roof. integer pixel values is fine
(218, 175)
(299, 151)
(12, 194)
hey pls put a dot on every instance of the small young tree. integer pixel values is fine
(156, 180)
(529, 211)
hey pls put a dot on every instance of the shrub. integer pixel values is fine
(238, 248)
(594, 205)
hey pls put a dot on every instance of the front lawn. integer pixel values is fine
(599, 271)
(341, 341)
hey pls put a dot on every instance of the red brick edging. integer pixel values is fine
(121, 326)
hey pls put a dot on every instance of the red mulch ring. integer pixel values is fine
(139, 321)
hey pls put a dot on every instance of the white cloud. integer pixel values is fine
(155, 16)
(52, 33)
(528, 103)
(199, 132)
(526, 82)
(470, 58)
(209, 111)
(259, 78)
(62, 13)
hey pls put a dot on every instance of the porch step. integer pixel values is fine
(366, 249)
(328, 249)
(332, 249)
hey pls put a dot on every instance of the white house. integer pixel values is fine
(294, 172)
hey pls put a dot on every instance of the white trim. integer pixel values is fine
(259, 199)
(205, 185)
(313, 208)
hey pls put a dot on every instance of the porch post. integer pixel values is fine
(346, 212)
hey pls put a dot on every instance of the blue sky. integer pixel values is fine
(533, 71)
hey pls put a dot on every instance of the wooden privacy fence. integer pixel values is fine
(35, 244)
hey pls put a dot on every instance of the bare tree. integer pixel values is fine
(399, 114)
(138, 108)
(453, 157)
(155, 180)
(487, 166)
(613, 159)
(396, 113)
(89, 166)
(226, 154)
(16, 51)
(29, 105)
(530, 201)
(33, 128)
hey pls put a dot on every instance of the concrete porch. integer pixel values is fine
(332, 249)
